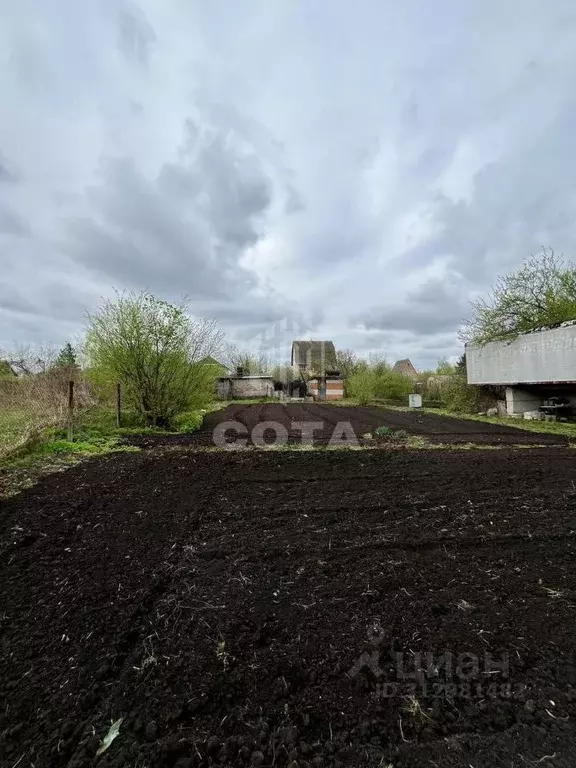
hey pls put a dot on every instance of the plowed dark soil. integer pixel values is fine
(439, 429)
(274, 608)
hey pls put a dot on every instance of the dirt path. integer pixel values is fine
(265, 608)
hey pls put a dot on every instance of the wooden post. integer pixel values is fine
(118, 405)
(70, 411)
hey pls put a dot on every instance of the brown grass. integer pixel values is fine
(30, 404)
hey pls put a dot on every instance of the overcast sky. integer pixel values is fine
(328, 169)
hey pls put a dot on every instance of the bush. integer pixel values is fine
(156, 351)
(379, 383)
(362, 386)
(188, 421)
(461, 397)
(391, 385)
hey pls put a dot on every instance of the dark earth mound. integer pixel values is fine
(300, 609)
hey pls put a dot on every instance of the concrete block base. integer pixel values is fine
(532, 415)
(520, 400)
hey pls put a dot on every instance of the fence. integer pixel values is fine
(59, 399)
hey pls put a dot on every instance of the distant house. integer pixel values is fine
(314, 357)
(406, 368)
(316, 364)
(219, 368)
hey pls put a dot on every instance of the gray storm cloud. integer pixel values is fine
(358, 173)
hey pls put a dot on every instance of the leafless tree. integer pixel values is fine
(250, 361)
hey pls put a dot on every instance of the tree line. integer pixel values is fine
(159, 352)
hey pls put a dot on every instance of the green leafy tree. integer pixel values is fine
(373, 379)
(348, 362)
(66, 357)
(541, 293)
(392, 385)
(378, 363)
(155, 350)
(362, 386)
(444, 368)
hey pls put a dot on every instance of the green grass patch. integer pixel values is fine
(55, 445)
(95, 434)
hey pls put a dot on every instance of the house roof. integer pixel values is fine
(405, 367)
(212, 361)
(314, 355)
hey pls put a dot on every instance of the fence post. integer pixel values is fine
(70, 411)
(118, 405)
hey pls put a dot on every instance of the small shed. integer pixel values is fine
(242, 387)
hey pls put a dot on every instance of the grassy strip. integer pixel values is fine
(97, 433)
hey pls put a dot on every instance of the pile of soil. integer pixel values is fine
(294, 609)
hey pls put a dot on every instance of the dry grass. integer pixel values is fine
(31, 404)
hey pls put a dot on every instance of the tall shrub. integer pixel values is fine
(362, 386)
(155, 350)
(391, 385)
(462, 397)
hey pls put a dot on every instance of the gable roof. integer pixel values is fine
(212, 361)
(405, 367)
(319, 356)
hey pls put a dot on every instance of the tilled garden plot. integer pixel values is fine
(297, 609)
(438, 429)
